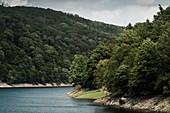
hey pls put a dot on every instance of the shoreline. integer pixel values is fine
(152, 104)
(86, 94)
(26, 85)
(155, 104)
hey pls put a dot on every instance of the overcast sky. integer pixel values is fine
(118, 12)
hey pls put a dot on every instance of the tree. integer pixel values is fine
(144, 74)
(100, 72)
(163, 46)
(77, 69)
(160, 8)
(41, 49)
(4, 72)
(120, 81)
(110, 71)
(100, 53)
(129, 26)
(12, 77)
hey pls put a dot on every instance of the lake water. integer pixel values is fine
(48, 100)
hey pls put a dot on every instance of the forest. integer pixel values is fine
(136, 63)
(38, 45)
(45, 46)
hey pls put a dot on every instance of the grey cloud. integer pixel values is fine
(119, 12)
(15, 2)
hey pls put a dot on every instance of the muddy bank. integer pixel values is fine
(157, 103)
(4, 85)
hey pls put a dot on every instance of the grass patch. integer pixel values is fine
(94, 94)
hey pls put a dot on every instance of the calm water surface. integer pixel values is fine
(48, 100)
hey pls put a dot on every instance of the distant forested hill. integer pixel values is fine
(37, 45)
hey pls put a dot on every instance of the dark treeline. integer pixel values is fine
(136, 63)
(38, 45)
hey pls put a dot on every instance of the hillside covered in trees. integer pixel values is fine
(38, 45)
(136, 63)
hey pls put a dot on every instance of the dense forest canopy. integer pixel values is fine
(38, 45)
(136, 63)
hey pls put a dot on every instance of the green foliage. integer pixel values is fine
(138, 63)
(99, 73)
(38, 45)
(129, 26)
(163, 47)
(77, 69)
(144, 73)
(120, 79)
(82, 68)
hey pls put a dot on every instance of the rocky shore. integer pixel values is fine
(157, 103)
(4, 85)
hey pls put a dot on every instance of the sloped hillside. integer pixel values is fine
(37, 45)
